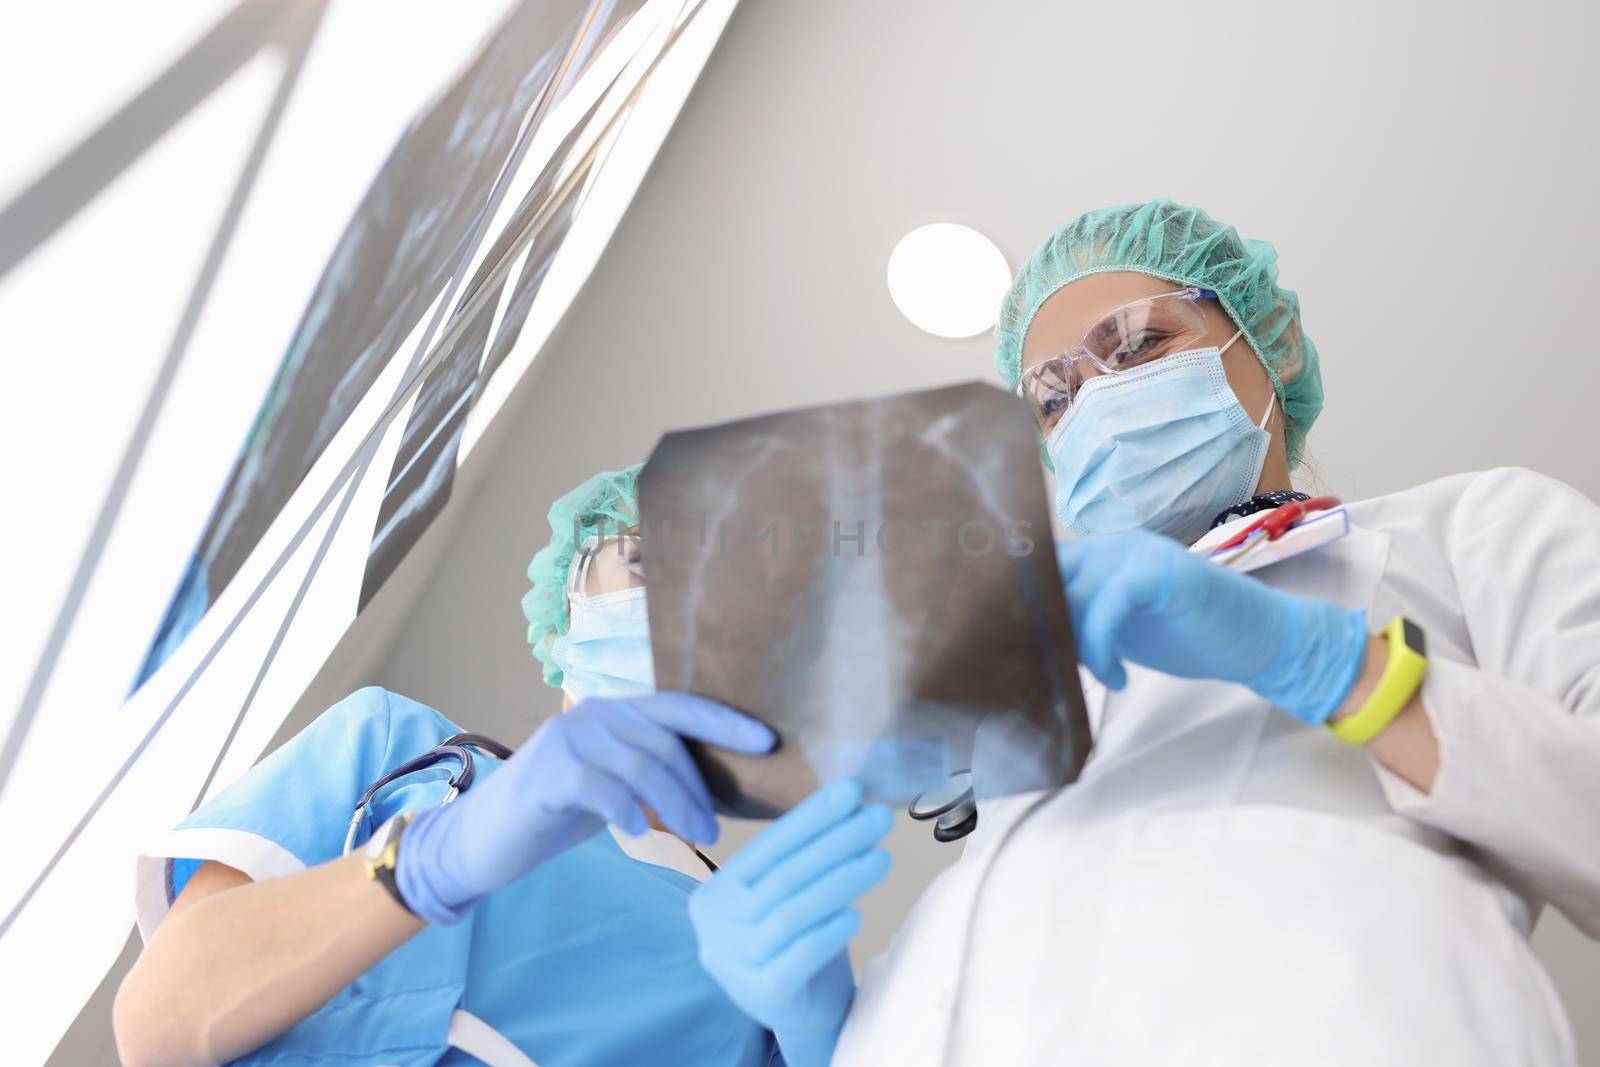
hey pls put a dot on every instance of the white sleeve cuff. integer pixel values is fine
(256, 856)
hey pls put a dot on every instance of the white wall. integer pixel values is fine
(1425, 171)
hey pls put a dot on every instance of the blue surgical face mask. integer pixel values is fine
(1165, 447)
(606, 649)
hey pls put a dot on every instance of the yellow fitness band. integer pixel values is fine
(1408, 661)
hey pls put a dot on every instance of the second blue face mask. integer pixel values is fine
(1165, 447)
(606, 649)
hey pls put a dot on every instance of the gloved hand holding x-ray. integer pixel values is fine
(876, 581)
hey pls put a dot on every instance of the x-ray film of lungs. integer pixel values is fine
(876, 580)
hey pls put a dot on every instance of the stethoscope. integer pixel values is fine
(952, 805)
(456, 747)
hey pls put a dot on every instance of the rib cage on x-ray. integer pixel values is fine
(876, 580)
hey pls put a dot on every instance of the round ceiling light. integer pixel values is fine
(948, 279)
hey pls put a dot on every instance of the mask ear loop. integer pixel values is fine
(1272, 403)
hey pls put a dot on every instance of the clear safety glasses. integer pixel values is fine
(1135, 334)
(626, 544)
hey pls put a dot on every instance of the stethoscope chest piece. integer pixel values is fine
(957, 823)
(952, 806)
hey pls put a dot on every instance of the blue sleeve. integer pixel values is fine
(300, 798)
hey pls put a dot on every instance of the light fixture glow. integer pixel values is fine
(948, 279)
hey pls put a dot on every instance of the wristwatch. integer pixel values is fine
(382, 852)
(1402, 677)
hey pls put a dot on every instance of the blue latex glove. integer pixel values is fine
(1137, 597)
(773, 923)
(605, 760)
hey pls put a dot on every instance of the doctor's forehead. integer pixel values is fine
(1066, 316)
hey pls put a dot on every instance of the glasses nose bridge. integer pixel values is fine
(1074, 353)
(1078, 366)
(1064, 360)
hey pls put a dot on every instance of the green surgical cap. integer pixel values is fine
(609, 500)
(1187, 246)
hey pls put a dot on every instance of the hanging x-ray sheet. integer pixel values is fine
(424, 470)
(395, 256)
(875, 580)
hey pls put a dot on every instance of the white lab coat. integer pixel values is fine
(1227, 886)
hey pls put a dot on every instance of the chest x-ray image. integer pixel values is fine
(875, 580)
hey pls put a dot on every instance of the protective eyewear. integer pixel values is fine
(1134, 335)
(627, 544)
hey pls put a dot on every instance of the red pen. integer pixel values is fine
(1277, 521)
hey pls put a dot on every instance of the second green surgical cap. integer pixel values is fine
(605, 504)
(1183, 245)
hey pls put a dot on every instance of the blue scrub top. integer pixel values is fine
(589, 960)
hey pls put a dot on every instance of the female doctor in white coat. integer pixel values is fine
(1307, 835)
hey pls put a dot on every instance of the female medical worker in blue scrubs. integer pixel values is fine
(515, 931)
(1329, 797)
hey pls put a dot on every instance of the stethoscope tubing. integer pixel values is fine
(457, 747)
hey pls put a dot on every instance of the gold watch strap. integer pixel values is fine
(1402, 676)
(381, 867)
